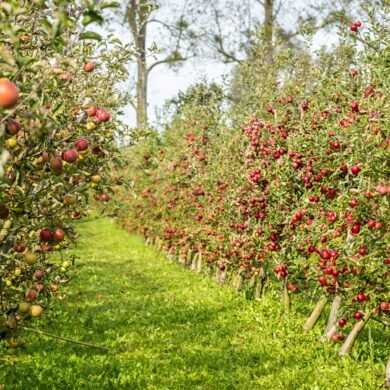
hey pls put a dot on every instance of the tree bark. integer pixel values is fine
(354, 334)
(311, 321)
(142, 91)
(387, 384)
(332, 320)
(137, 15)
(268, 30)
(285, 298)
(198, 266)
(142, 80)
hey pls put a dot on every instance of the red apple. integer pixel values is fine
(19, 247)
(69, 155)
(12, 127)
(9, 93)
(4, 212)
(89, 66)
(46, 235)
(91, 111)
(59, 235)
(81, 144)
(56, 165)
(102, 115)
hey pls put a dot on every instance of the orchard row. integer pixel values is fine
(298, 196)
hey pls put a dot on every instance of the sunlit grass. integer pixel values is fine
(168, 328)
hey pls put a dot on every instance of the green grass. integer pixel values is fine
(168, 328)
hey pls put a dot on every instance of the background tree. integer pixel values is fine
(175, 40)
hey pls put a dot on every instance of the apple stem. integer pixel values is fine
(353, 335)
(63, 338)
(315, 314)
(332, 320)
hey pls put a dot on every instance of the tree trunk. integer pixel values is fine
(387, 384)
(332, 320)
(285, 297)
(268, 30)
(354, 334)
(189, 257)
(311, 321)
(137, 15)
(237, 281)
(194, 262)
(198, 266)
(142, 116)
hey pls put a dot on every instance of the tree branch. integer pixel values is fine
(219, 42)
(168, 60)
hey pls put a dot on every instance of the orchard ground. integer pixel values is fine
(169, 328)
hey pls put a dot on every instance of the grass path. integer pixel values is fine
(168, 328)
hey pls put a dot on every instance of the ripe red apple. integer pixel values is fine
(91, 111)
(4, 212)
(59, 235)
(12, 127)
(334, 336)
(385, 306)
(81, 144)
(19, 247)
(9, 93)
(46, 235)
(355, 106)
(69, 155)
(56, 165)
(355, 228)
(89, 66)
(104, 197)
(355, 170)
(358, 315)
(102, 115)
(31, 295)
(340, 337)
(38, 274)
(342, 322)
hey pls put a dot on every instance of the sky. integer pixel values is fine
(165, 83)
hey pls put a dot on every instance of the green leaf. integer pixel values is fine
(47, 25)
(22, 61)
(110, 4)
(91, 17)
(90, 35)
(60, 108)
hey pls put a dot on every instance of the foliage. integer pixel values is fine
(58, 125)
(300, 191)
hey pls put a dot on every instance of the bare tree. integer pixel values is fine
(177, 40)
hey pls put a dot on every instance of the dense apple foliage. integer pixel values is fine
(58, 122)
(299, 194)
